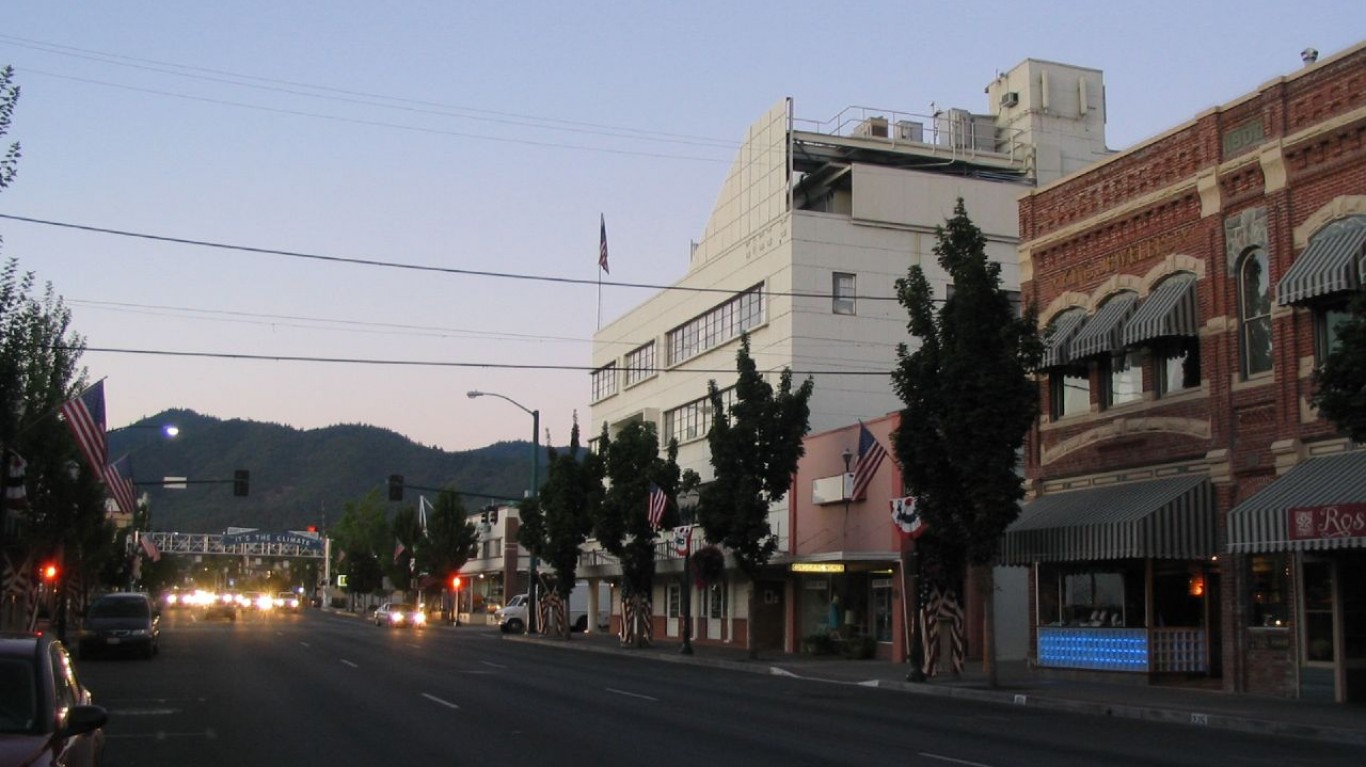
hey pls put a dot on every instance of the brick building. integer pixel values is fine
(1182, 485)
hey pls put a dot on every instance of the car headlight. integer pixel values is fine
(419, 617)
(138, 632)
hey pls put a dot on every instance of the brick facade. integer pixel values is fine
(1265, 171)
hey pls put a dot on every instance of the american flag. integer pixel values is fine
(870, 455)
(85, 417)
(150, 548)
(602, 244)
(657, 503)
(118, 477)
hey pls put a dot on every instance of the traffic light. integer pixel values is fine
(312, 528)
(455, 583)
(49, 572)
(395, 487)
(241, 482)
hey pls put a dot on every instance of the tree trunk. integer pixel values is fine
(987, 593)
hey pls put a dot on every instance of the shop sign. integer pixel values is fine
(817, 567)
(1343, 520)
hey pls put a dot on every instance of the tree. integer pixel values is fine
(407, 532)
(557, 522)
(970, 377)
(621, 523)
(9, 96)
(754, 452)
(362, 534)
(451, 540)
(1340, 382)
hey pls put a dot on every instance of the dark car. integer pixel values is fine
(123, 622)
(46, 716)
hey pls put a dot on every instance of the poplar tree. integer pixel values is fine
(755, 447)
(970, 401)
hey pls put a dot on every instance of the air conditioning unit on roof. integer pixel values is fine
(1010, 99)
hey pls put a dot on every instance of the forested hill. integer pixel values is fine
(298, 477)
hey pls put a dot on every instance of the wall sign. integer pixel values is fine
(1342, 520)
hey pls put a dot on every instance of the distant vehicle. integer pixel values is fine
(46, 715)
(256, 600)
(122, 621)
(222, 606)
(511, 618)
(399, 614)
(287, 600)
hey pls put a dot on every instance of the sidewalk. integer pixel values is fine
(1019, 685)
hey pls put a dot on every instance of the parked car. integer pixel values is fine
(122, 621)
(46, 715)
(399, 614)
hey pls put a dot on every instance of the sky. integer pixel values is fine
(213, 188)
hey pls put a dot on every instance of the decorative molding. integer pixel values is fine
(1173, 263)
(1338, 207)
(1124, 427)
(1207, 186)
(1242, 232)
(1273, 167)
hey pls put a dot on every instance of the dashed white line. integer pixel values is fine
(495, 665)
(445, 703)
(631, 694)
(349, 663)
(306, 644)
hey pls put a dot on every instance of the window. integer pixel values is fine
(605, 381)
(1254, 305)
(692, 420)
(1124, 382)
(842, 290)
(1069, 390)
(1327, 319)
(719, 325)
(674, 597)
(1270, 590)
(640, 363)
(716, 600)
(1178, 364)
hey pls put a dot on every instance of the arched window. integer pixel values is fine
(1254, 309)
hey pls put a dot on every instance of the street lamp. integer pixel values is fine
(535, 481)
(687, 509)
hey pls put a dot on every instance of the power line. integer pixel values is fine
(416, 267)
(431, 363)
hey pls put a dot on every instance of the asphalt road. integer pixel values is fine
(322, 689)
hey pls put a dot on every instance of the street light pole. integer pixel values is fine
(687, 507)
(535, 483)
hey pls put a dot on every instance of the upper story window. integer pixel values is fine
(692, 420)
(1254, 312)
(1177, 364)
(1324, 276)
(843, 290)
(640, 363)
(1124, 380)
(1168, 322)
(717, 326)
(1069, 390)
(604, 381)
(1328, 317)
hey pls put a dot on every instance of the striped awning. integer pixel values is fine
(1170, 310)
(1170, 518)
(1059, 336)
(1331, 264)
(1262, 522)
(1104, 333)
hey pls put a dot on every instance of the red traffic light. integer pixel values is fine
(312, 528)
(455, 583)
(48, 572)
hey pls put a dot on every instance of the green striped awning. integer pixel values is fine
(1262, 522)
(1170, 310)
(1331, 264)
(1103, 334)
(1058, 337)
(1170, 518)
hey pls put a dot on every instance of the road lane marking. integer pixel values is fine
(349, 663)
(445, 703)
(951, 760)
(144, 711)
(495, 665)
(306, 644)
(631, 694)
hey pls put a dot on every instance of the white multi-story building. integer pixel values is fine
(813, 226)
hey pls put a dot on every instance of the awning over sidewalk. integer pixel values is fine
(1320, 504)
(1171, 518)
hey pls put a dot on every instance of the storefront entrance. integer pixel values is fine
(1334, 627)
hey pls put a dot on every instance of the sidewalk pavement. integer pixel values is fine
(1020, 685)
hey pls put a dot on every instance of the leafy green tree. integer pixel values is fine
(363, 535)
(9, 96)
(621, 523)
(1340, 382)
(451, 540)
(754, 452)
(555, 526)
(970, 402)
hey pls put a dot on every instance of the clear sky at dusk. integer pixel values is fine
(481, 137)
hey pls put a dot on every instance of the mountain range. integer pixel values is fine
(297, 477)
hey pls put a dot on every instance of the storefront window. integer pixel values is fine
(717, 601)
(1318, 611)
(1109, 596)
(675, 598)
(882, 609)
(1270, 590)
